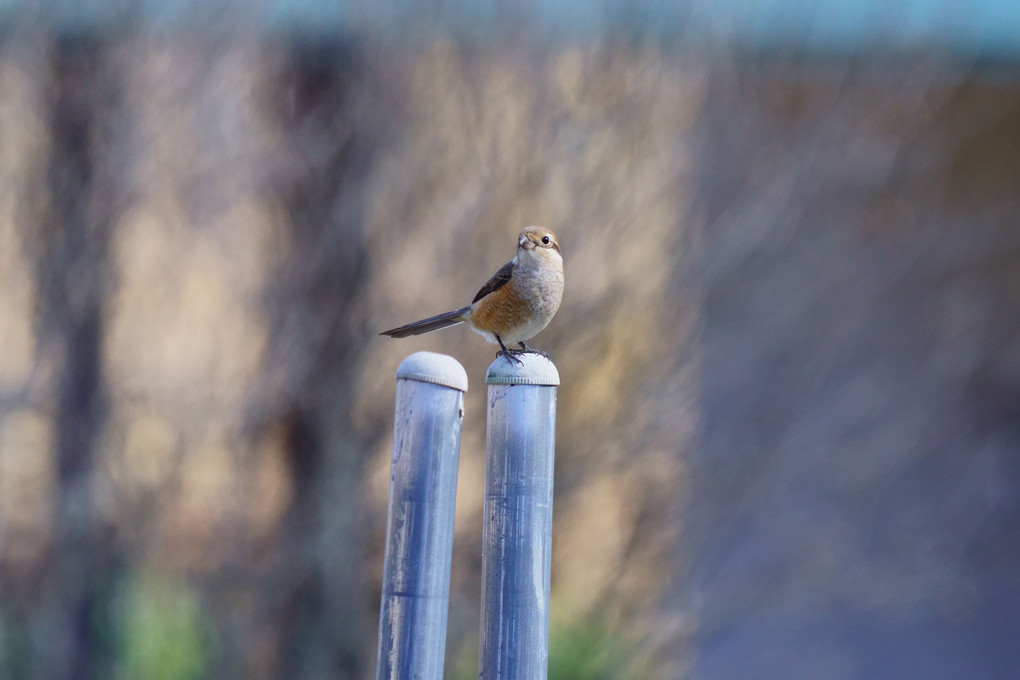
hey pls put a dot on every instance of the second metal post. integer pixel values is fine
(517, 529)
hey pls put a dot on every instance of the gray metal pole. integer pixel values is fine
(419, 532)
(517, 520)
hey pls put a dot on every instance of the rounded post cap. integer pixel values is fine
(438, 369)
(533, 369)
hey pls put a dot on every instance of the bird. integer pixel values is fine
(515, 304)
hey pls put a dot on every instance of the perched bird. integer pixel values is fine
(515, 304)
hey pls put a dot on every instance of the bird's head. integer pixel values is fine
(538, 242)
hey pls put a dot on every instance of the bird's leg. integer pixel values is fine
(539, 352)
(508, 353)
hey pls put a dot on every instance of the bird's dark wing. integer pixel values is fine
(498, 280)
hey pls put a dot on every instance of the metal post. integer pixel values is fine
(419, 532)
(517, 528)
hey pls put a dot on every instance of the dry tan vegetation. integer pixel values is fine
(241, 192)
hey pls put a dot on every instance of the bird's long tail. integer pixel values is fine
(433, 323)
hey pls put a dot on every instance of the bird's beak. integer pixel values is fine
(527, 244)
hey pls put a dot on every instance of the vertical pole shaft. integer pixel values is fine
(517, 529)
(419, 532)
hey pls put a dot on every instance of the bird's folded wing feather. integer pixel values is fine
(498, 280)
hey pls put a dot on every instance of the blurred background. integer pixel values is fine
(789, 417)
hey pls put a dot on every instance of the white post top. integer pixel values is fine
(533, 369)
(438, 369)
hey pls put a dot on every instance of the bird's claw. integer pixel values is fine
(528, 350)
(510, 355)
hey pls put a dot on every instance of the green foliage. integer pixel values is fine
(13, 649)
(578, 650)
(162, 633)
(592, 650)
(148, 626)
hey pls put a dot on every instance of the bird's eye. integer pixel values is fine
(546, 240)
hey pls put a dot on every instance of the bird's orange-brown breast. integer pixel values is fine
(502, 310)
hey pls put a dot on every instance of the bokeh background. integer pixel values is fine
(789, 420)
